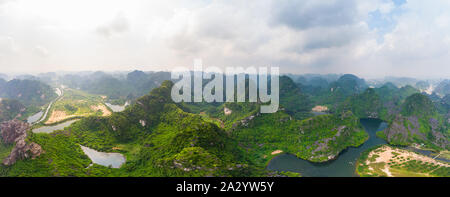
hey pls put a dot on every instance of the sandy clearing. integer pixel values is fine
(227, 111)
(387, 154)
(56, 116)
(387, 171)
(277, 152)
(102, 108)
(320, 108)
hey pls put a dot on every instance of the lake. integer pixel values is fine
(343, 166)
(49, 129)
(115, 160)
(117, 108)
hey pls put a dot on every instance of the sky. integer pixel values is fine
(372, 38)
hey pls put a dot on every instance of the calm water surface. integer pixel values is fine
(343, 166)
(34, 118)
(115, 160)
(49, 129)
(117, 108)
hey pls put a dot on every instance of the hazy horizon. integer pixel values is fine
(87, 72)
(376, 39)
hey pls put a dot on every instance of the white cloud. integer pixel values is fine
(8, 45)
(299, 36)
(117, 26)
(41, 51)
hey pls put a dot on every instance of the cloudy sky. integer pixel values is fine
(369, 38)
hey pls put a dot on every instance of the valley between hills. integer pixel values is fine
(126, 124)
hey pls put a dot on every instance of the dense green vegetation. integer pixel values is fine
(317, 139)
(23, 98)
(365, 105)
(170, 143)
(118, 89)
(418, 105)
(345, 86)
(418, 123)
(295, 102)
(4, 150)
(28, 92)
(162, 138)
(10, 109)
(292, 100)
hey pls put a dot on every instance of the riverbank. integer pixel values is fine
(44, 116)
(342, 166)
(52, 128)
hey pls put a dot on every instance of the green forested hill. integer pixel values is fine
(390, 93)
(346, 86)
(296, 103)
(418, 105)
(163, 138)
(418, 122)
(28, 92)
(383, 102)
(118, 89)
(158, 138)
(445, 108)
(10, 109)
(336, 92)
(317, 139)
(365, 105)
(443, 88)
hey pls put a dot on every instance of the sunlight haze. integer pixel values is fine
(369, 38)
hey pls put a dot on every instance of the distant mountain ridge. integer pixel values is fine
(29, 92)
(132, 86)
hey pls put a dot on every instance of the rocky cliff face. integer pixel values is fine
(15, 131)
(407, 130)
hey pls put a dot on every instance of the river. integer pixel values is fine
(40, 116)
(32, 119)
(50, 129)
(343, 166)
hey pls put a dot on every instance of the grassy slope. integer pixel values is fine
(172, 143)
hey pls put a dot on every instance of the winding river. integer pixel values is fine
(50, 129)
(40, 116)
(343, 166)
